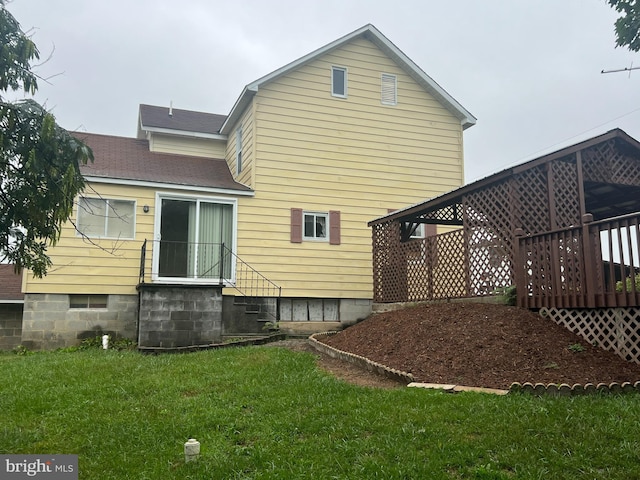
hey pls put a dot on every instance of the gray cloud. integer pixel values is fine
(530, 71)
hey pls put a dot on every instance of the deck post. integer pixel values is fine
(589, 262)
(519, 269)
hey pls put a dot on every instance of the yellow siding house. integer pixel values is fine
(266, 207)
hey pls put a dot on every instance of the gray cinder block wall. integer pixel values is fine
(10, 325)
(49, 323)
(179, 316)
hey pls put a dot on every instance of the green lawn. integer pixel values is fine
(264, 412)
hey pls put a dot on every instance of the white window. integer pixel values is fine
(339, 82)
(389, 90)
(316, 226)
(238, 151)
(106, 218)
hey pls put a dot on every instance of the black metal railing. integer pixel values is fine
(209, 263)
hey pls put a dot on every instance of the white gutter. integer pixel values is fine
(184, 133)
(193, 188)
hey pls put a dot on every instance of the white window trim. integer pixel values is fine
(395, 88)
(346, 82)
(135, 210)
(239, 156)
(155, 264)
(325, 239)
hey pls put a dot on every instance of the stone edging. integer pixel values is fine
(459, 388)
(362, 362)
(516, 387)
(565, 390)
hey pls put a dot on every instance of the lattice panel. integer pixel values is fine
(420, 269)
(605, 163)
(596, 163)
(531, 201)
(565, 194)
(489, 233)
(613, 329)
(449, 275)
(450, 214)
(389, 278)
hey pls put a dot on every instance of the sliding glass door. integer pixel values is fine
(196, 236)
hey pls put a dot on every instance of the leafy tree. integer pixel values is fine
(628, 25)
(39, 161)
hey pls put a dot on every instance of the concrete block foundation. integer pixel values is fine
(10, 325)
(48, 322)
(174, 316)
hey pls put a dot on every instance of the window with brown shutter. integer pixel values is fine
(296, 225)
(334, 227)
(315, 226)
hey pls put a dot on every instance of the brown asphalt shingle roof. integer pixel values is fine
(130, 159)
(184, 120)
(10, 284)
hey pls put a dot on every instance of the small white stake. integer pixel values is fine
(105, 341)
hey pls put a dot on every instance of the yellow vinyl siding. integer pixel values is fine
(302, 148)
(247, 124)
(199, 147)
(320, 153)
(99, 266)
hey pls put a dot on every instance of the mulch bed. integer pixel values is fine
(481, 345)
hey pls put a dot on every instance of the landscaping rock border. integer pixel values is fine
(566, 390)
(363, 362)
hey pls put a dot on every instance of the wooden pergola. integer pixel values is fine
(563, 228)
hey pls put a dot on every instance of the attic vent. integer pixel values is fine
(389, 89)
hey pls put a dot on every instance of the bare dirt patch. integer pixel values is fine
(474, 344)
(340, 369)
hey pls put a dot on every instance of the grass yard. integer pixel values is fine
(270, 413)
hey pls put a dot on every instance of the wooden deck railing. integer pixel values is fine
(595, 265)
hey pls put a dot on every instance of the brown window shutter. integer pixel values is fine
(334, 227)
(296, 225)
(430, 230)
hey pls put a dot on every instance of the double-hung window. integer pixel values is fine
(339, 82)
(106, 218)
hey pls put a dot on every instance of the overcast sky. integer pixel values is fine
(529, 70)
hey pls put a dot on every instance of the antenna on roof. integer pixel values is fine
(171, 108)
(625, 69)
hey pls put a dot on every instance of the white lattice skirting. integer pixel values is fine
(614, 329)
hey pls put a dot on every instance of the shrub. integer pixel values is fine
(629, 284)
(509, 294)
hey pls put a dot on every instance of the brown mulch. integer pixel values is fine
(473, 344)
